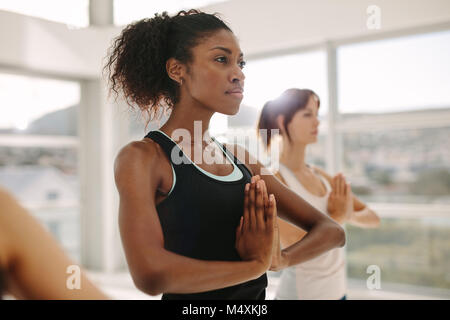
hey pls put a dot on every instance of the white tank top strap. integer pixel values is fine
(290, 178)
(295, 184)
(322, 178)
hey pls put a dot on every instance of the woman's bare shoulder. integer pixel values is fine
(322, 173)
(5, 197)
(140, 150)
(6, 203)
(138, 157)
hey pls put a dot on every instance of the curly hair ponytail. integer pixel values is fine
(137, 57)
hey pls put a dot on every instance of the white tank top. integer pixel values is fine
(323, 277)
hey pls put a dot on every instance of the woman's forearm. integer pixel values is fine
(321, 238)
(365, 218)
(180, 274)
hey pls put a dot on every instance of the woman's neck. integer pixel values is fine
(191, 117)
(293, 156)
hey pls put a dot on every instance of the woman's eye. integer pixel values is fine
(221, 59)
(242, 64)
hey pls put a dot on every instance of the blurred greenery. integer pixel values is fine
(409, 251)
(432, 182)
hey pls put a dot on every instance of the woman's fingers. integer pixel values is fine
(343, 185)
(349, 191)
(251, 208)
(260, 205)
(333, 185)
(246, 214)
(272, 213)
(265, 194)
(256, 201)
(239, 228)
(338, 185)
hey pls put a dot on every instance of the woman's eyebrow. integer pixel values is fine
(226, 50)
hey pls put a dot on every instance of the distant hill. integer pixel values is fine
(60, 122)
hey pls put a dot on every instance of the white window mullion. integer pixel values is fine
(38, 141)
(332, 148)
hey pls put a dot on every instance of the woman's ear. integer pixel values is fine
(175, 70)
(280, 124)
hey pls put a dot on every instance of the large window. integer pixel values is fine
(71, 12)
(39, 152)
(392, 143)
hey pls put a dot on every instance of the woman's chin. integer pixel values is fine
(313, 140)
(230, 111)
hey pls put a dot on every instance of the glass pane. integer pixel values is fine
(126, 11)
(407, 251)
(266, 79)
(72, 12)
(397, 74)
(45, 181)
(399, 166)
(38, 106)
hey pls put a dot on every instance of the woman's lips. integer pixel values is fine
(236, 94)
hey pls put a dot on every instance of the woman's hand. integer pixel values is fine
(255, 233)
(279, 260)
(340, 201)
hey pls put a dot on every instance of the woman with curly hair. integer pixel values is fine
(195, 230)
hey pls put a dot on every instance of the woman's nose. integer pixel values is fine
(317, 120)
(238, 75)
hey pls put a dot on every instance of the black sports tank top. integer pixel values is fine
(2, 283)
(199, 218)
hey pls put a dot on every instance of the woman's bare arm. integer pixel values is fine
(323, 233)
(154, 269)
(362, 216)
(289, 233)
(35, 265)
